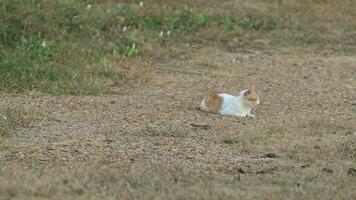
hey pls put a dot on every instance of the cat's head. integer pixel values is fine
(250, 96)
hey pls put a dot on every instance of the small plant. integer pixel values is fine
(36, 49)
(128, 50)
(257, 22)
(228, 22)
(11, 118)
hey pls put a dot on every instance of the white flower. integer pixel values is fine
(43, 44)
(88, 6)
(168, 32)
(133, 46)
(5, 118)
(124, 29)
(141, 3)
(161, 34)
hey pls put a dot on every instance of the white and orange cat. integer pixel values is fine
(226, 104)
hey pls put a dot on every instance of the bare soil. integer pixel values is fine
(151, 141)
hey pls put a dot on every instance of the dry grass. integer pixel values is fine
(12, 117)
(147, 140)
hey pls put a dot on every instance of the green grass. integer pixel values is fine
(69, 47)
(65, 47)
(53, 47)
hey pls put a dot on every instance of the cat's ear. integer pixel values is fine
(247, 92)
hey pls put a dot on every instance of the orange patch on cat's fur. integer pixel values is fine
(213, 102)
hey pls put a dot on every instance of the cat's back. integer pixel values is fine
(214, 101)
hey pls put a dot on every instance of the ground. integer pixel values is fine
(150, 141)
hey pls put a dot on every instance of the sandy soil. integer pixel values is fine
(151, 142)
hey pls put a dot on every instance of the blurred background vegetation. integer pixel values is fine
(75, 47)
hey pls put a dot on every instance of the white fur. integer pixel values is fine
(202, 105)
(235, 105)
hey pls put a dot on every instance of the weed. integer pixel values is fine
(128, 50)
(228, 22)
(12, 117)
(258, 22)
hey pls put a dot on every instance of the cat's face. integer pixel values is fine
(251, 96)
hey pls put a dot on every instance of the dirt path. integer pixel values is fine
(151, 141)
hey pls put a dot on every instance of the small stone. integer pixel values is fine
(351, 171)
(271, 155)
(327, 170)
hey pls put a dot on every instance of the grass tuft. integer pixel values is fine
(13, 117)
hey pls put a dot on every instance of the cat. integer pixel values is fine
(226, 104)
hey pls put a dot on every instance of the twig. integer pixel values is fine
(203, 126)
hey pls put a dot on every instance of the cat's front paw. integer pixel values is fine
(251, 115)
